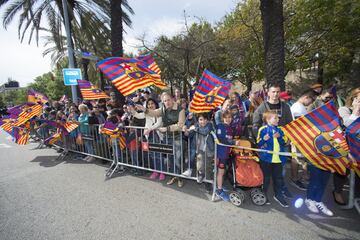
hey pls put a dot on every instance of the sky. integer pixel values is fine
(23, 62)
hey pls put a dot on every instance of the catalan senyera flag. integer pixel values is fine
(27, 113)
(353, 137)
(21, 135)
(7, 125)
(210, 93)
(53, 138)
(113, 131)
(69, 126)
(37, 97)
(319, 137)
(129, 74)
(89, 91)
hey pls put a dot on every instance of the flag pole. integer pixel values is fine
(69, 47)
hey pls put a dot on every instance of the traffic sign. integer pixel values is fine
(71, 75)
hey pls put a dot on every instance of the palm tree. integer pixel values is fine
(274, 43)
(118, 16)
(32, 13)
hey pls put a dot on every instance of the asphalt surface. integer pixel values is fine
(44, 198)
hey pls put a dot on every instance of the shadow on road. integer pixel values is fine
(47, 161)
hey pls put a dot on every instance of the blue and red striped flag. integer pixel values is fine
(319, 137)
(112, 130)
(37, 97)
(129, 74)
(89, 91)
(150, 63)
(210, 93)
(353, 137)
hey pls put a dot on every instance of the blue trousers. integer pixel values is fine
(317, 184)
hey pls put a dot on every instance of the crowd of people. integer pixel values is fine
(239, 117)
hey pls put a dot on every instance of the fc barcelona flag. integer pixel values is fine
(129, 74)
(353, 137)
(113, 131)
(150, 63)
(320, 139)
(89, 91)
(37, 97)
(210, 93)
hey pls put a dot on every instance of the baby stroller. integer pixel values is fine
(247, 176)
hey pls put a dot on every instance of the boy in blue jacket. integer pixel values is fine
(272, 138)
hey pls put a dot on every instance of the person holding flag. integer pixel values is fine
(349, 113)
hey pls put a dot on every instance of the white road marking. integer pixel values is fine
(3, 145)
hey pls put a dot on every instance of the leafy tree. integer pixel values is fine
(240, 35)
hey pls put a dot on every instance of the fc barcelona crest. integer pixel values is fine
(135, 71)
(332, 144)
(210, 97)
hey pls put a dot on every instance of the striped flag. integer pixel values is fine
(27, 113)
(112, 130)
(319, 137)
(21, 135)
(150, 63)
(37, 97)
(89, 91)
(69, 126)
(353, 137)
(53, 138)
(7, 125)
(129, 74)
(210, 93)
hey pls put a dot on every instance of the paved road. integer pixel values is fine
(42, 198)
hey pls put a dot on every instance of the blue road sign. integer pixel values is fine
(71, 75)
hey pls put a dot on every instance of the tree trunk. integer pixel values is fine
(117, 37)
(273, 33)
(116, 28)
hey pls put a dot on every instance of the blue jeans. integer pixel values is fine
(89, 147)
(317, 184)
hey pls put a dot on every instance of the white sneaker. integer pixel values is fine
(324, 209)
(187, 173)
(311, 205)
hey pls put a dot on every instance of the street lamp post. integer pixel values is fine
(69, 47)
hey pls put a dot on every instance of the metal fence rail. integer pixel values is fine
(171, 154)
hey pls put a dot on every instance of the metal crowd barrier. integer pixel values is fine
(171, 154)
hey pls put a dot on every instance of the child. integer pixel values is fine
(224, 133)
(237, 121)
(272, 138)
(204, 151)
